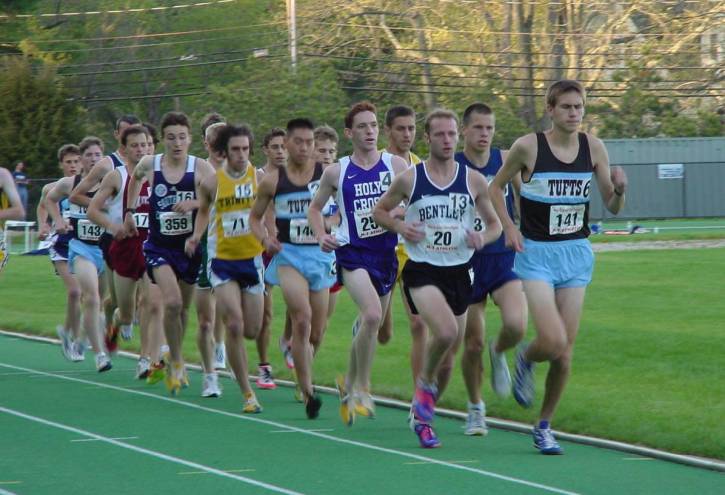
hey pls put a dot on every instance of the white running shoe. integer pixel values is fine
(210, 386)
(265, 379)
(500, 374)
(220, 356)
(79, 349)
(66, 344)
(126, 331)
(103, 362)
(476, 420)
(286, 348)
(142, 368)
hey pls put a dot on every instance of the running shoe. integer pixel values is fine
(126, 332)
(424, 401)
(220, 356)
(426, 436)
(546, 443)
(347, 413)
(299, 397)
(251, 405)
(103, 362)
(210, 387)
(313, 405)
(157, 372)
(476, 420)
(142, 368)
(184, 377)
(286, 348)
(524, 379)
(174, 372)
(364, 405)
(264, 377)
(500, 375)
(80, 347)
(66, 344)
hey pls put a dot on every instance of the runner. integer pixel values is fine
(299, 267)
(172, 177)
(276, 156)
(126, 251)
(210, 335)
(235, 262)
(553, 256)
(400, 132)
(85, 258)
(69, 332)
(11, 208)
(442, 199)
(493, 276)
(366, 262)
(79, 197)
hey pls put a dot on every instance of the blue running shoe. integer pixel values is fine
(426, 436)
(546, 443)
(424, 402)
(524, 379)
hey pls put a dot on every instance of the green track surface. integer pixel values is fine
(279, 447)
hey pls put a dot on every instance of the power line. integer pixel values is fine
(157, 9)
(498, 66)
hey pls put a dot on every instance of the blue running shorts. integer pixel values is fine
(490, 272)
(249, 273)
(562, 264)
(313, 264)
(90, 252)
(382, 269)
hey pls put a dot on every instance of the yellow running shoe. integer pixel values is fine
(347, 413)
(157, 373)
(174, 372)
(251, 406)
(184, 378)
(364, 405)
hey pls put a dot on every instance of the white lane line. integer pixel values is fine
(302, 430)
(637, 459)
(226, 471)
(148, 452)
(64, 372)
(98, 440)
(470, 461)
(6, 492)
(295, 431)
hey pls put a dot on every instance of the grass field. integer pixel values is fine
(647, 368)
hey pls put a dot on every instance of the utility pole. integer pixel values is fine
(292, 28)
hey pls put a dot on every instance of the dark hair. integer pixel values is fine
(275, 132)
(174, 118)
(326, 132)
(131, 131)
(151, 131)
(209, 119)
(89, 141)
(67, 149)
(227, 132)
(477, 107)
(129, 119)
(564, 86)
(359, 107)
(439, 113)
(300, 123)
(398, 111)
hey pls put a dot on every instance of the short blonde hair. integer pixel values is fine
(564, 86)
(439, 113)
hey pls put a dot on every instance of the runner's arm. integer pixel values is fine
(265, 196)
(612, 181)
(398, 192)
(61, 189)
(98, 171)
(330, 178)
(110, 186)
(204, 193)
(144, 170)
(16, 210)
(41, 212)
(485, 211)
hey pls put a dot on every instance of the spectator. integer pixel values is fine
(21, 183)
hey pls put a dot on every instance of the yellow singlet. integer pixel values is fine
(230, 237)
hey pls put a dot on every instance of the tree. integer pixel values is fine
(36, 116)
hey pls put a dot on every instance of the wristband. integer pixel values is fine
(131, 210)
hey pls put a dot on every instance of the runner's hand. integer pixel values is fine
(475, 240)
(328, 243)
(43, 231)
(619, 179)
(129, 225)
(514, 239)
(64, 227)
(185, 206)
(191, 245)
(413, 232)
(271, 245)
(118, 231)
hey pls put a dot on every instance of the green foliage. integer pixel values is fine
(36, 117)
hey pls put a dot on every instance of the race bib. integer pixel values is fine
(566, 219)
(243, 191)
(172, 223)
(89, 231)
(142, 220)
(300, 232)
(365, 226)
(235, 223)
(442, 237)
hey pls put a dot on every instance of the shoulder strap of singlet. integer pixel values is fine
(190, 164)
(117, 162)
(157, 163)
(387, 159)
